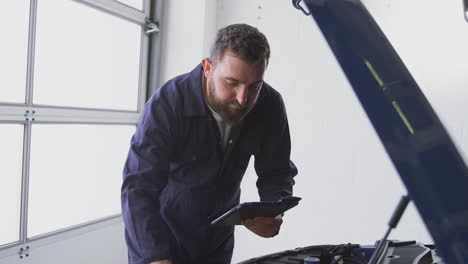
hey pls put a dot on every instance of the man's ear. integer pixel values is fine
(207, 67)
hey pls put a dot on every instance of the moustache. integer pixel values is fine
(237, 106)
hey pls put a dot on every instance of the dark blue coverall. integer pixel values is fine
(178, 178)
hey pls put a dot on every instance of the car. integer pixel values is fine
(424, 155)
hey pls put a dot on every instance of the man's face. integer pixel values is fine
(233, 86)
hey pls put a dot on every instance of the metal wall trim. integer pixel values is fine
(31, 51)
(22, 113)
(117, 9)
(58, 235)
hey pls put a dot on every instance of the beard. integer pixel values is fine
(231, 111)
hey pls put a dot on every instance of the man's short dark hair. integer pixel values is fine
(244, 41)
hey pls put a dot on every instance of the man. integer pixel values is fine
(192, 147)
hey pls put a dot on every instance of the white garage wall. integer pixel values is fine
(348, 184)
(186, 31)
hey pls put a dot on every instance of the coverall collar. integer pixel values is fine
(195, 104)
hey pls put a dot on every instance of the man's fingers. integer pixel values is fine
(248, 222)
(264, 226)
(261, 221)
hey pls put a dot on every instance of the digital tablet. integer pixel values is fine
(256, 209)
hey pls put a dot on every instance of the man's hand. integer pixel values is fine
(264, 226)
(165, 261)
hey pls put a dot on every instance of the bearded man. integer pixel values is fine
(192, 147)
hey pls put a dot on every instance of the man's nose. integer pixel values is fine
(242, 96)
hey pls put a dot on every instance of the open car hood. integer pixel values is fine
(419, 146)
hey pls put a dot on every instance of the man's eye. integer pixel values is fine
(231, 84)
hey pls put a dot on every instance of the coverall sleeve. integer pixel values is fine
(273, 166)
(144, 177)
